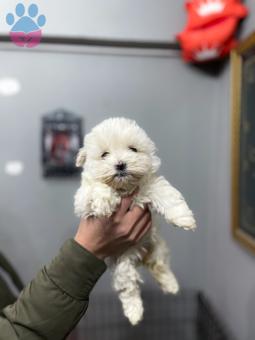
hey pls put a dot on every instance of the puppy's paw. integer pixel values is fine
(104, 202)
(134, 311)
(81, 203)
(170, 284)
(186, 222)
(140, 201)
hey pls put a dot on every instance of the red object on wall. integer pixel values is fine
(210, 30)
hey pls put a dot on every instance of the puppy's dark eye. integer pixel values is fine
(132, 149)
(105, 154)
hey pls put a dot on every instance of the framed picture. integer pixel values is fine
(243, 143)
(61, 140)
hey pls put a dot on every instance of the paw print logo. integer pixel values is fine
(26, 29)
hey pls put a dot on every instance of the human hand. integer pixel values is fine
(112, 236)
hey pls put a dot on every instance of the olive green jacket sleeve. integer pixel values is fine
(53, 303)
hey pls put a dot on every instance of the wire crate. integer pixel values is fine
(187, 316)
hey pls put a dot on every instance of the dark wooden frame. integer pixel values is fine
(237, 55)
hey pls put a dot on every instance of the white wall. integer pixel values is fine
(119, 19)
(230, 268)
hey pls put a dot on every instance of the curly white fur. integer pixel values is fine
(121, 141)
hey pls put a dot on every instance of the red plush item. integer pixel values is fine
(208, 52)
(213, 38)
(210, 30)
(205, 12)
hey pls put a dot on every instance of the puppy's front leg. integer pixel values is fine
(169, 202)
(95, 199)
(104, 200)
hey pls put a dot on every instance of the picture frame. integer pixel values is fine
(62, 138)
(243, 143)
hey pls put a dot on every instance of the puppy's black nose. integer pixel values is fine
(121, 166)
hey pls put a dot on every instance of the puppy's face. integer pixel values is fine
(118, 152)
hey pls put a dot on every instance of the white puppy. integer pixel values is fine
(117, 157)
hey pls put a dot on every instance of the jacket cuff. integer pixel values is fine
(75, 270)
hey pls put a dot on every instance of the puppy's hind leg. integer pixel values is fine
(158, 265)
(126, 281)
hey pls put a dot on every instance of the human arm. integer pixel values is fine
(53, 303)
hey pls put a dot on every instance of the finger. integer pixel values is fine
(140, 225)
(144, 231)
(126, 202)
(137, 223)
(136, 213)
(124, 207)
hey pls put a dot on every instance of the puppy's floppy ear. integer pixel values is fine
(156, 162)
(81, 157)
